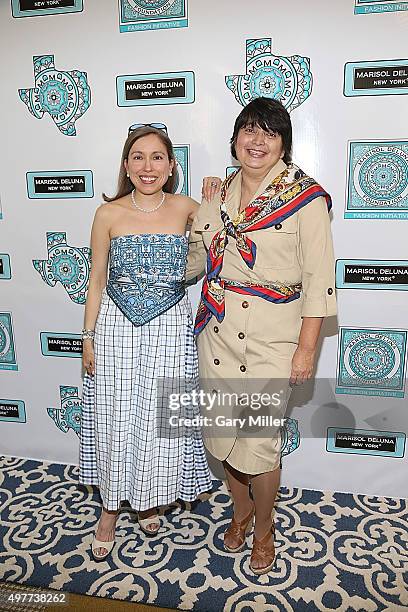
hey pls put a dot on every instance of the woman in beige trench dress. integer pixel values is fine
(265, 243)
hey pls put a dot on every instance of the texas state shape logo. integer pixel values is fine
(67, 265)
(68, 416)
(66, 96)
(290, 437)
(287, 79)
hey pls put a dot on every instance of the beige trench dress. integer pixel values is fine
(256, 340)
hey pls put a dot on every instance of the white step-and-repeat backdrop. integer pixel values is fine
(76, 74)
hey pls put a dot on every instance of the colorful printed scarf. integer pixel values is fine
(286, 194)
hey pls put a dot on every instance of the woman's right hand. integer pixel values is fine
(211, 186)
(88, 356)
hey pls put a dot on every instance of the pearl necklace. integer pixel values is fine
(146, 210)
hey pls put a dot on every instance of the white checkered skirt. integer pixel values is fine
(123, 449)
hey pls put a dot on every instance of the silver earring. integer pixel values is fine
(171, 174)
(127, 174)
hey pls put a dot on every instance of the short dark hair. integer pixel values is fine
(271, 116)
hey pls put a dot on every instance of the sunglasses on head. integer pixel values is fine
(156, 126)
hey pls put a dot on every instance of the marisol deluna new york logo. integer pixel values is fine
(365, 442)
(12, 411)
(54, 344)
(385, 77)
(162, 88)
(371, 274)
(35, 8)
(5, 267)
(60, 184)
(380, 78)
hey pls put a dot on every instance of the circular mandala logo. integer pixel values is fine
(151, 7)
(70, 267)
(65, 269)
(383, 176)
(5, 342)
(59, 95)
(372, 358)
(72, 414)
(278, 81)
(180, 179)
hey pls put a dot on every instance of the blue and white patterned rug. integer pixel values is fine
(335, 551)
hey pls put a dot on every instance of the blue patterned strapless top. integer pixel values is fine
(146, 274)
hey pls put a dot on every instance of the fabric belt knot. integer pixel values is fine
(213, 297)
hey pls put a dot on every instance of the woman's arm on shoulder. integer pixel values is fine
(211, 186)
(196, 252)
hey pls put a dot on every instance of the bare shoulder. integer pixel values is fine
(183, 201)
(105, 215)
(107, 210)
(178, 198)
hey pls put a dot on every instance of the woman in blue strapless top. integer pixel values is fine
(138, 346)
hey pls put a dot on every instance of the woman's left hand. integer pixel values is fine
(211, 186)
(302, 366)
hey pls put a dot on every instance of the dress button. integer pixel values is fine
(216, 361)
(330, 291)
(245, 304)
(216, 330)
(206, 226)
(278, 226)
(241, 335)
(242, 368)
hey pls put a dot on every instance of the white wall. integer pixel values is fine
(212, 46)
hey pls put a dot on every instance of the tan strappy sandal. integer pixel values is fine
(238, 530)
(264, 550)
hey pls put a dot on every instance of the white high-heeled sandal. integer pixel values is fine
(97, 544)
(151, 520)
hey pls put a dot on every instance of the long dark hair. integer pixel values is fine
(271, 116)
(125, 185)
